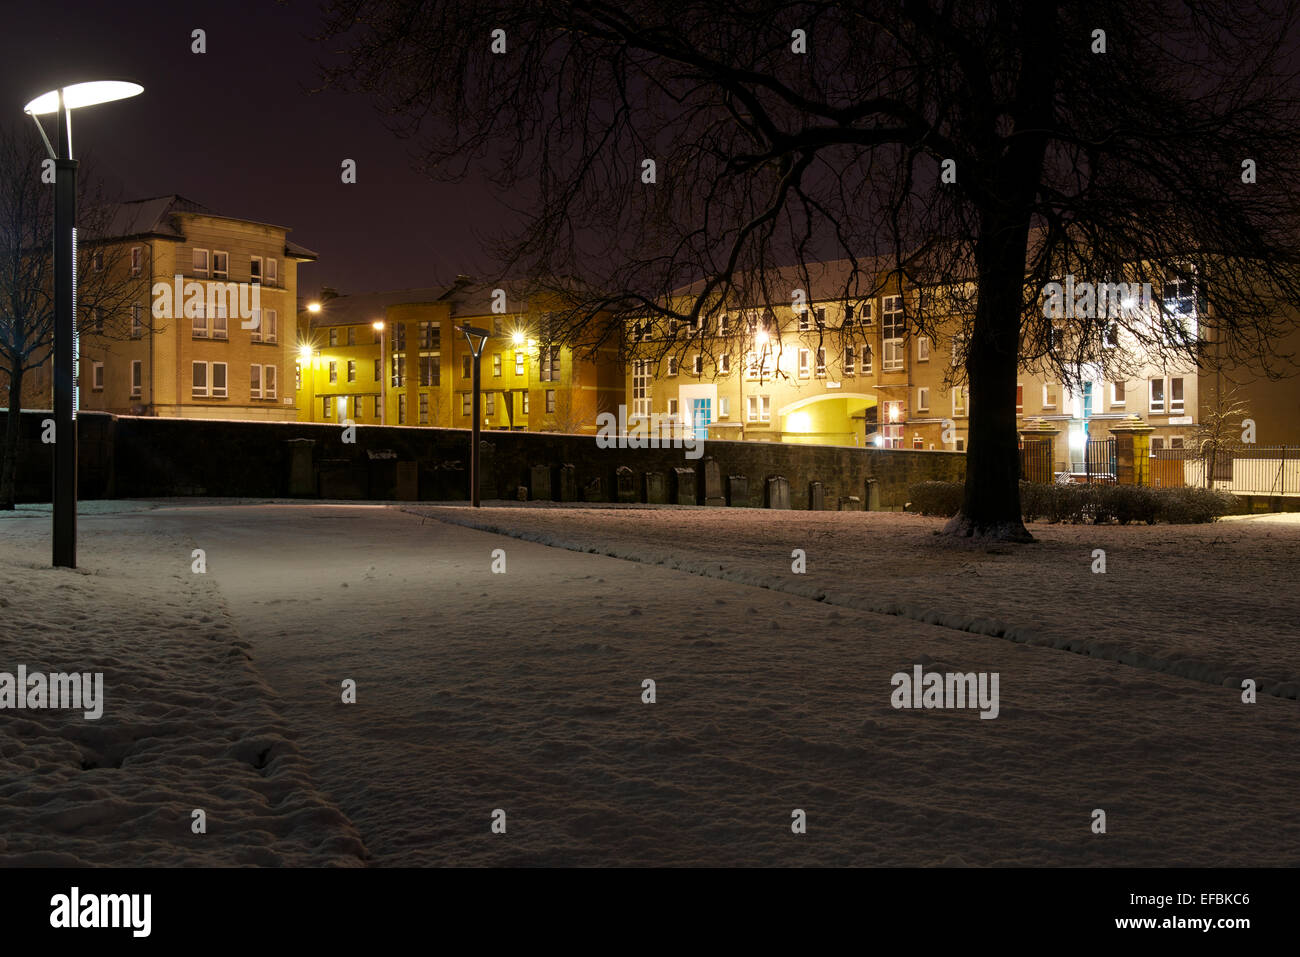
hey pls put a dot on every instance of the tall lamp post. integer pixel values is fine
(61, 102)
(476, 349)
(378, 325)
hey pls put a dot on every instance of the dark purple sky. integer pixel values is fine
(236, 130)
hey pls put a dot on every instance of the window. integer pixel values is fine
(356, 407)
(923, 349)
(751, 365)
(1110, 336)
(209, 378)
(219, 380)
(519, 362)
(1055, 339)
(724, 324)
(401, 413)
(466, 367)
(199, 323)
(820, 368)
(1157, 444)
(1049, 395)
(424, 408)
(325, 406)
(866, 359)
(334, 337)
(352, 370)
(550, 400)
(891, 317)
(1175, 441)
(379, 407)
(724, 363)
(137, 260)
(1179, 300)
(297, 376)
(640, 388)
(496, 365)
(270, 326)
(430, 335)
(850, 355)
(379, 369)
(916, 441)
(137, 322)
(1117, 393)
(352, 335)
(805, 363)
(97, 319)
(220, 265)
(894, 416)
(697, 365)
(219, 327)
(1176, 396)
(376, 336)
(97, 260)
(805, 320)
(724, 406)
(961, 445)
(524, 393)
(137, 378)
(864, 312)
(758, 408)
(491, 403)
(430, 370)
(960, 398)
(1020, 399)
(672, 408)
(848, 314)
(334, 372)
(200, 262)
(466, 403)
(1157, 387)
(398, 365)
(97, 376)
(498, 327)
(255, 269)
(672, 365)
(272, 271)
(958, 349)
(550, 363)
(820, 314)
(923, 399)
(399, 337)
(255, 382)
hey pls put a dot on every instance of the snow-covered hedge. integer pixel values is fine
(1089, 504)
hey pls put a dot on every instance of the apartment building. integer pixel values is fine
(198, 327)
(823, 367)
(398, 358)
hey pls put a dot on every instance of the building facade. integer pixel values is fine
(398, 358)
(203, 319)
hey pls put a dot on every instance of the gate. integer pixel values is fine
(1099, 461)
(1036, 461)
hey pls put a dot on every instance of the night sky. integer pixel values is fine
(237, 129)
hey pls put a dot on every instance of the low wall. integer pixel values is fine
(136, 457)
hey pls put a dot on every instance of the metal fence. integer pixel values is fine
(1036, 461)
(1249, 470)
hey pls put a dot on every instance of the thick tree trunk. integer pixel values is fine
(991, 503)
(12, 438)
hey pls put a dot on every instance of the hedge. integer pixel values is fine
(1080, 504)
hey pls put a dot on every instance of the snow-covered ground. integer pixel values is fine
(522, 691)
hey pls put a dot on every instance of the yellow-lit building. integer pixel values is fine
(205, 322)
(398, 358)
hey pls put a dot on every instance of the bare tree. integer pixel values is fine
(1218, 431)
(104, 284)
(1006, 144)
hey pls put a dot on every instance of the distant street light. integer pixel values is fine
(476, 349)
(61, 102)
(313, 307)
(378, 325)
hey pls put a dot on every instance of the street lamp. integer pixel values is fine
(476, 350)
(378, 326)
(60, 102)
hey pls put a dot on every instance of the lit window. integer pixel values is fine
(137, 378)
(821, 364)
(923, 349)
(550, 400)
(1117, 393)
(923, 399)
(1157, 387)
(496, 365)
(805, 363)
(1176, 396)
(220, 265)
(352, 370)
(334, 372)
(200, 262)
(891, 318)
(97, 376)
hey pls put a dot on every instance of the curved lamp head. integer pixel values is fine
(83, 94)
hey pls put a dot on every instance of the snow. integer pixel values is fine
(522, 691)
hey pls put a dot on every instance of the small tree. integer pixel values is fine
(1218, 431)
(104, 285)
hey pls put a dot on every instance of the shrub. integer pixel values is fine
(935, 498)
(1193, 506)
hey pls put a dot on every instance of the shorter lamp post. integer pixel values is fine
(378, 325)
(476, 349)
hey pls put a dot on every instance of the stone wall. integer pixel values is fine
(133, 457)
